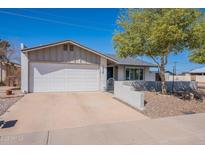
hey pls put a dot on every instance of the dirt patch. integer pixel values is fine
(7, 101)
(157, 105)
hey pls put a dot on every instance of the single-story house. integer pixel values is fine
(70, 66)
(198, 71)
(198, 74)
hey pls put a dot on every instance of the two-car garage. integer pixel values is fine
(58, 77)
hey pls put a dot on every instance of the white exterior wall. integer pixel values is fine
(129, 96)
(24, 72)
(121, 73)
(103, 74)
(149, 76)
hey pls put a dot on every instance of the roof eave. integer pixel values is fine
(138, 65)
(44, 46)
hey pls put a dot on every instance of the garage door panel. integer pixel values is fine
(57, 84)
(40, 84)
(51, 77)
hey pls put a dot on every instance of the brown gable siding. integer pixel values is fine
(57, 54)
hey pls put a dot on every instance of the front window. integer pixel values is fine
(134, 74)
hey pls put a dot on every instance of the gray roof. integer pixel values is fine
(198, 70)
(130, 61)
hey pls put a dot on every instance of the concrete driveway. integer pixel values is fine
(186, 129)
(49, 111)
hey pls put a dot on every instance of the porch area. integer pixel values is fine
(127, 72)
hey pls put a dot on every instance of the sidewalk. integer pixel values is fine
(188, 129)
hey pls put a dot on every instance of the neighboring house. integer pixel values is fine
(70, 66)
(169, 76)
(198, 71)
(10, 73)
(198, 74)
(193, 75)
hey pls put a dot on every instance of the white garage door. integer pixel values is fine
(53, 77)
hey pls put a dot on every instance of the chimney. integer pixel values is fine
(23, 46)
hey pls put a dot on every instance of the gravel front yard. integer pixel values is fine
(157, 105)
(6, 103)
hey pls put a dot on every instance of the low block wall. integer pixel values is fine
(129, 95)
(156, 85)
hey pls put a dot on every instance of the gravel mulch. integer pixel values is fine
(157, 105)
(6, 102)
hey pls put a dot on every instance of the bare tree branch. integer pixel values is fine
(155, 60)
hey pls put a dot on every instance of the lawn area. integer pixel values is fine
(157, 105)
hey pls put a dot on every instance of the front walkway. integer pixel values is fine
(188, 129)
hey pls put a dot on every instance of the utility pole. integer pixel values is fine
(173, 73)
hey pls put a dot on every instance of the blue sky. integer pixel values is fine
(91, 27)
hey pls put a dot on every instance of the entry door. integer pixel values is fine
(54, 77)
(109, 72)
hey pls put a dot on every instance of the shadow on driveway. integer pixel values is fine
(8, 124)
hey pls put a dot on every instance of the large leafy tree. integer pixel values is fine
(156, 33)
(198, 56)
